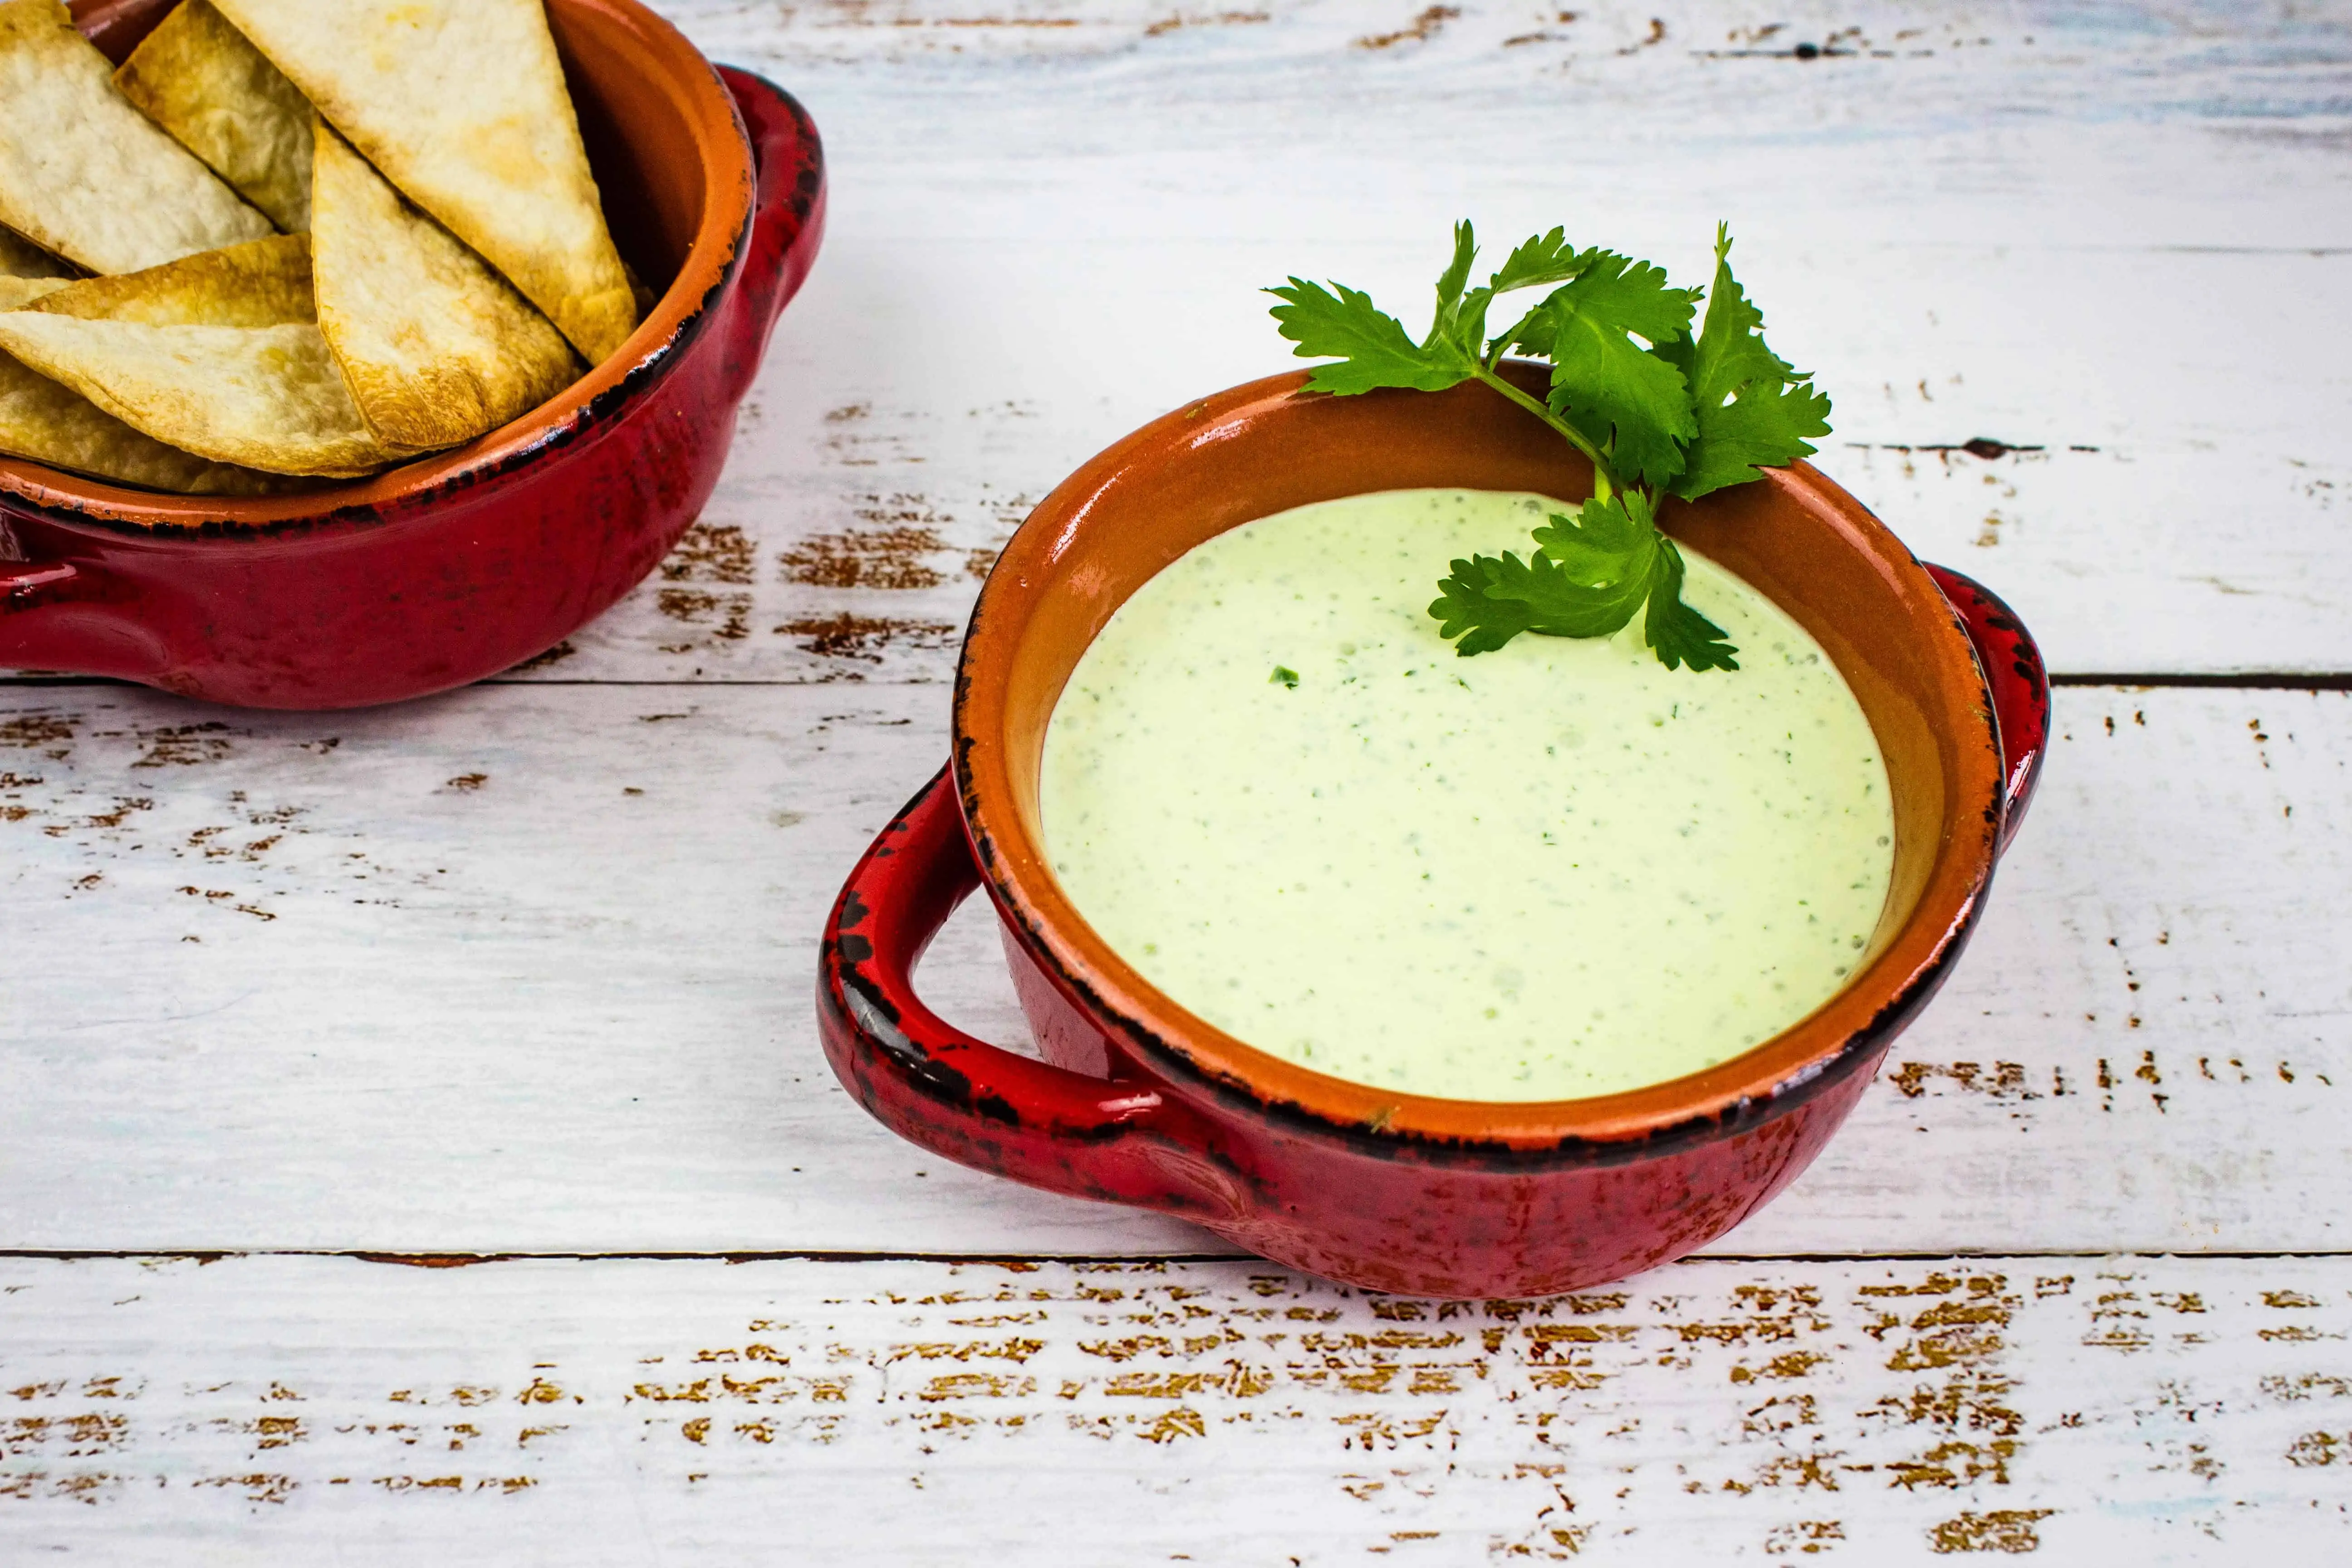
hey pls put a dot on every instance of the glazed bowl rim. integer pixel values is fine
(1840, 1036)
(523, 447)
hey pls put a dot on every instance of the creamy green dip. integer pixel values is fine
(1555, 871)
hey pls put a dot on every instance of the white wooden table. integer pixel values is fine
(303, 1012)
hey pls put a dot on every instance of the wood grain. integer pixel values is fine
(2114, 243)
(272, 1409)
(2113, 240)
(527, 968)
(531, 969)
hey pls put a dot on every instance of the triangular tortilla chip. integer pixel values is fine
(55, 425)
(462, 104)
(157, 355)
(85, 175)
(221, 99)
(20, 258)
(261, 283)
(16, 293)
(435, 347)
(268, 397)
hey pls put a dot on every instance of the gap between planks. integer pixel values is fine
(2246, 680)
(1080, 1259)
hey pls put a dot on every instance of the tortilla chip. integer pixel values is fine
(215, 354)
(85, 175)
(55, 425)
(435, 347)
(221, 99)
(18, 292)
(261, 283)
(462, 105)
(20, 258)
(266, 397)
(51, 423)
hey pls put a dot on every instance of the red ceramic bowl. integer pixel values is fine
(457, 566)
(1139, 1101)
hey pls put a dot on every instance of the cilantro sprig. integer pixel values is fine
(1660, 412)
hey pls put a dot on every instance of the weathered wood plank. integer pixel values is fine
(2127, 233)
(1971, 222)
(274, 1409)
(857, 519)
(527, 969)
(530, 969)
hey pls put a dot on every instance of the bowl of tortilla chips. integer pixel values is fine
(352, 349)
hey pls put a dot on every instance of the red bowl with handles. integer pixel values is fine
(1138, 1101)
(455, 567)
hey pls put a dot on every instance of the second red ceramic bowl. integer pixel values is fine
(1139, 1101)
(457, 566)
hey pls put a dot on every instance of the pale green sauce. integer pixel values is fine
(1556, 871)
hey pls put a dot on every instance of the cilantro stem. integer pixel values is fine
(1603, 482)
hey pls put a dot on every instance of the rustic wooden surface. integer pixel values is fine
(434, 978)
(525, 970)
(277, 1409)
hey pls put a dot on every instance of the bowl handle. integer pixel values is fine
(1117, 1140)
(787, 211)
(2020, 685)
(30, 636)
(26, 588)
(70, 618)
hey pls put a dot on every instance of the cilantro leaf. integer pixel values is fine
(1606, 542)
(1487, 601)
(1616, 293)
(1443, 325)
(1588, 579)
(1544, 258)
(1370, 346)
(1729, 351)
(1594, 572)
(1540, 259)
(1558, 605)
(1767, 421)
(1632, 403)
(1677, 633)
(1764, 427)
(1462, 606)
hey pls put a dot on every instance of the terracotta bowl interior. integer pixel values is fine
(641, 143)
(1259, 451)
(661, 136)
